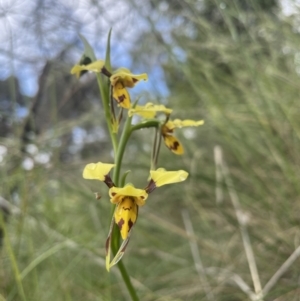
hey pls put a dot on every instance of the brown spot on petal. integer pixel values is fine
(134, 80)
(175, 145)
(130, 224)
(120, 223)
(121, 98)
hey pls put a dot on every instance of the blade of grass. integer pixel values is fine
(13, 261)
(196, 255)
(242, 222)
(285, 266)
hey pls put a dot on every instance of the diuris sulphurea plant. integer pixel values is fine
(119, 110)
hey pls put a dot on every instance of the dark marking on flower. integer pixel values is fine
(130, 224)
(121, 98)
(113, 193)
(120, 223)
(128, 208)
(142, 197)
(108, 181)
(175, 145)
(150, 187)
(105, 72)
(134, 80)
(85, 60)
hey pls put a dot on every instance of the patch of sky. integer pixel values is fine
(21, 112)
(33, 32)
(80, 136)
(179, 53)
(28, 80)
(290, 7)
(35, 36)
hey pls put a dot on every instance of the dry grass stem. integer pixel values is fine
(196, 255)
(226, 275)
(285, 266)
(242, 222)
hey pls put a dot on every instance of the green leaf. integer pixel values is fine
(88, 50)
(124, 178)
(107, 55)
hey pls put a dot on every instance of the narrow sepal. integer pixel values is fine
(108, 242)
(109, 264)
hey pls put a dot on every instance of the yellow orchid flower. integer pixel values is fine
(127, 200)
(171, 141)
(149, 110)
(139, 195)
(94, 67)
(122, 79)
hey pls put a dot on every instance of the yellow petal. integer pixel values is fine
(117, 194)
(126, 77)
(126, 215)
(121, 95)
(162, 177)
(149, 110)
(94, 67)
(177, 123)
(173, 144)
(97, 171)
(76, 70)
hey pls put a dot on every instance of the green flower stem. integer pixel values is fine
(105, 100)
(156, 146)
(150, 123)
(115, 243)
(121, 149)
(118, 151)
(127, 131)
(127, 281)
(13, 261)
(116, 177)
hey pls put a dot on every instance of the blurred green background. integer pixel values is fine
(229, 231)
